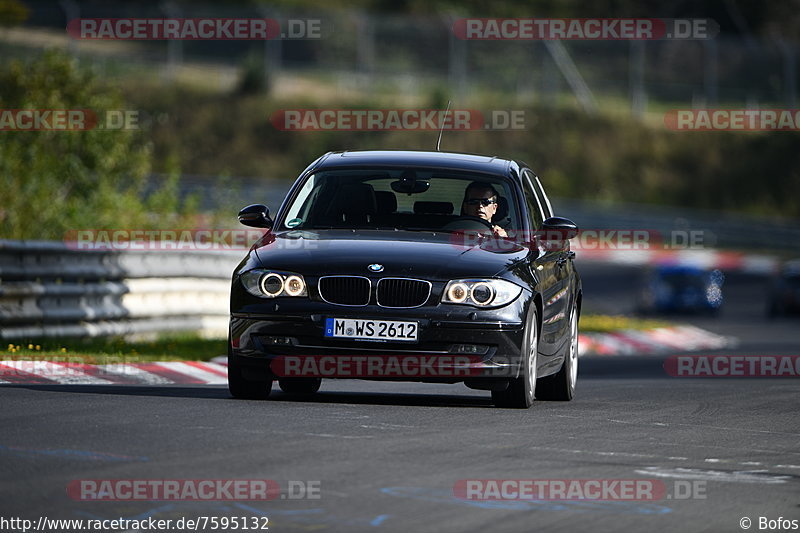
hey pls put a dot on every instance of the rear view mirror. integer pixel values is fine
(256, 216)
(408, 184)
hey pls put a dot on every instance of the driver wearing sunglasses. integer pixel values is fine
(480, 200)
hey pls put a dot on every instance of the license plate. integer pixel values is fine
(377, 330)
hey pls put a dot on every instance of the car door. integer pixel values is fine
(546, 268)
(564, 272)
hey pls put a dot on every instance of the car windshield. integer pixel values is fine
(401, 198)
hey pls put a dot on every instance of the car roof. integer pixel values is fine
(448, 160)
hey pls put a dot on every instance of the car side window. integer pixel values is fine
(535, 210)
(305, 199)
(546, 207)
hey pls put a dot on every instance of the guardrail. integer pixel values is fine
(50, 290)
(719, 230)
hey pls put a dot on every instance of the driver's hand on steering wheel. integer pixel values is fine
(499, 232)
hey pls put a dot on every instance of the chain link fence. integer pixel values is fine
(420, 56)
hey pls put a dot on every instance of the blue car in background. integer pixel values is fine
(681, 289)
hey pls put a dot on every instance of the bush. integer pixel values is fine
(56, 181)
(253, 78)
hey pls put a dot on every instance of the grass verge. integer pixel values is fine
(590, 323)
(111, 350)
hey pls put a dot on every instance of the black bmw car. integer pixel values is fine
(402, 265)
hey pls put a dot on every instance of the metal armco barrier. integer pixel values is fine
(720, 230)
(50, 290)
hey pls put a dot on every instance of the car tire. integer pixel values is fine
(300, 385)
(561, 386)
(521, 390)
(246, 389)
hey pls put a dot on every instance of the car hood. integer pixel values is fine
(425, 255)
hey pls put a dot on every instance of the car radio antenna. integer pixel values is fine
(441, 130)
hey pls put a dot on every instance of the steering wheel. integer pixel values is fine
(466, 222)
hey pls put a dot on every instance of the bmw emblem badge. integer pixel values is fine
(375, 267)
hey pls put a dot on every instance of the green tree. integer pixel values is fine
(52, 182)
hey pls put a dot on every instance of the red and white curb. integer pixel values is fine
(161, 373)
(215, 372)
(652, 341)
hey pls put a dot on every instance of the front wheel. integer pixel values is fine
(242, 388)
(561, 386)
(246, 389)
(522, 390)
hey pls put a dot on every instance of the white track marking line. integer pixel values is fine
(743, 476)
(661, 457)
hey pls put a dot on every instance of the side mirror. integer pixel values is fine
(256, 216)
(558, 229)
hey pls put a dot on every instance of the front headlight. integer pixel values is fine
(480, 292)
(272, 284)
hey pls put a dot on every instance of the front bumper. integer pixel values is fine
(455, 343)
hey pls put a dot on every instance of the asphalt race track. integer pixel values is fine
(387, 457)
